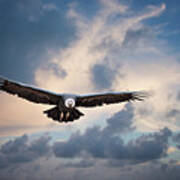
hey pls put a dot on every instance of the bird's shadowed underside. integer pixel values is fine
(64, 115)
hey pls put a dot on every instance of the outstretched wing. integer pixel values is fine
(29, 93)
(108, 98)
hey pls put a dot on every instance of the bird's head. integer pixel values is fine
(70, 102)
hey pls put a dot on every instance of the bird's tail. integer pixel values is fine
(63, 115)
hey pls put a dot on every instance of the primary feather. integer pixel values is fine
(27, 92)
(109, 98)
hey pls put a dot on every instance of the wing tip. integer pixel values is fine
(141, 95)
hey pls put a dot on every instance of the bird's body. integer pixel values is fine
(65, 108)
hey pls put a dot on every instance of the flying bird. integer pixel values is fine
(65, 105)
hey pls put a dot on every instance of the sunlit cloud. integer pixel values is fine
(125, 48)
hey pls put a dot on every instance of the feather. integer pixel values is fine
(29, 93)
(63, 115)
(109, 98)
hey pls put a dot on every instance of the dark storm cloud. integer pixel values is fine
(102, 76)
(21, 150)
(27, 30)
(106, 144)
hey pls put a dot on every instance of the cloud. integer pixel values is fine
(21, 150)
(114, 41)
(95, 141)
(91, 169)
(171, 150)
(111, 51)
(105, 144)
(15, 121)
(91, 34)
(121, 122)
(80, 164)
(135, 36)
(176, 139)
(102, 76)
(30, 33)
(34, 9)
(97, 149)
(108, 143)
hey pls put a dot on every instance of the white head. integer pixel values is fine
(70, 102)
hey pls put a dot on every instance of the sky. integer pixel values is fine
(85, 47)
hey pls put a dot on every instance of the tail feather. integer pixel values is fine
(53, 113)
(63, 115)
